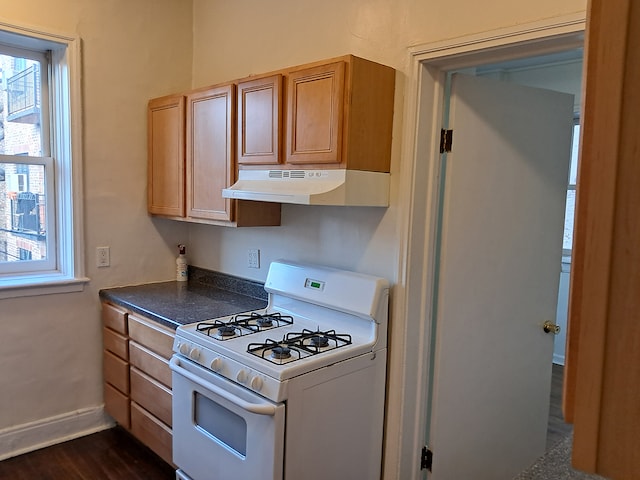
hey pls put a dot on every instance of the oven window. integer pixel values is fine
(221, 424)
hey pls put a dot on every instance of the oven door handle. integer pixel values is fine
(259, 409)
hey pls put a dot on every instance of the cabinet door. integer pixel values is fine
(315, 107)
(165, 176)
(210, 152)
(259, 121)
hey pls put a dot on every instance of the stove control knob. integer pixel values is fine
(184, 349)
(216, 364)
(194, 353)
(242, 376)
(256, 383)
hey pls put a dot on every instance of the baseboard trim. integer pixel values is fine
(42, 433)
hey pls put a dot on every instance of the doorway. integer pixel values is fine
(424, 105)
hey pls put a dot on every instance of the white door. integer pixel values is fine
(500, 257)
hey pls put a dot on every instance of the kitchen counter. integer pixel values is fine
(206, 295)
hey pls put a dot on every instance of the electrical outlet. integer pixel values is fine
(253, 258)
(103, 257)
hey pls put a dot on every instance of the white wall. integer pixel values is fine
(136, 50)
(235, 39)
(50, 347)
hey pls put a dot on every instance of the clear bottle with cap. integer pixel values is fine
(182, 271)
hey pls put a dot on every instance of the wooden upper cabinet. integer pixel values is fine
(315, 105)
(340, 115)
(192, 158)
(259, 121)
(166, 174)
(210, 152)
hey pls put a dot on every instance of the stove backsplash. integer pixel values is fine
(228, 282)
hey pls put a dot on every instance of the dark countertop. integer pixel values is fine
(206, 295)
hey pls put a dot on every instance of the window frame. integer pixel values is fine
(63, 138)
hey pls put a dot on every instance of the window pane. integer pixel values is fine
(567, 241)
(573, 170)
(23, 230)
(570, 205)
(20, 106)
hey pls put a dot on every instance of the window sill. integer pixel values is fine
(33, 285)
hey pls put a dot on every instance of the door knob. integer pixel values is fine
(550, 327)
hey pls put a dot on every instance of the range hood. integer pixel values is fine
(312, 187)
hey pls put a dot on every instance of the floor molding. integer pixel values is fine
(28, 437)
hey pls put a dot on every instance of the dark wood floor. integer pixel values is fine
(115, 455)
(108, 455)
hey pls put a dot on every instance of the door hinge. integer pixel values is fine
(446, 139)
(426, 459)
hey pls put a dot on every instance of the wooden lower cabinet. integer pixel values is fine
(152, 432)
(137, 377)
(117, 405)
(115, 363)
(148, 361)
(153, 395)
(116, 372)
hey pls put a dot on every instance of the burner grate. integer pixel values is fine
(274, 351)
(261, 321)
(243, 324)
(297, 345)
(218, 329)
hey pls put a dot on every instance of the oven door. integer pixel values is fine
(222, 430)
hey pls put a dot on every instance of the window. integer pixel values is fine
(570, 206)
(40, 189)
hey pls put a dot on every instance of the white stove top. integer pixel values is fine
(313, 301)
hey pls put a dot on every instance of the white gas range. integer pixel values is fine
(293, 391)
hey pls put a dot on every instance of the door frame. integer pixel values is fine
(419, 192)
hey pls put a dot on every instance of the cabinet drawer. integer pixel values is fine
(155, 337)
(114, 317)
(115, 343)
(150, 363)
(152, 395)
(116, 404)
(152, 432)
(116, 372)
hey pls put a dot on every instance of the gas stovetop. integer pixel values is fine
(298, 345)
(316, 317)
(293, 345)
